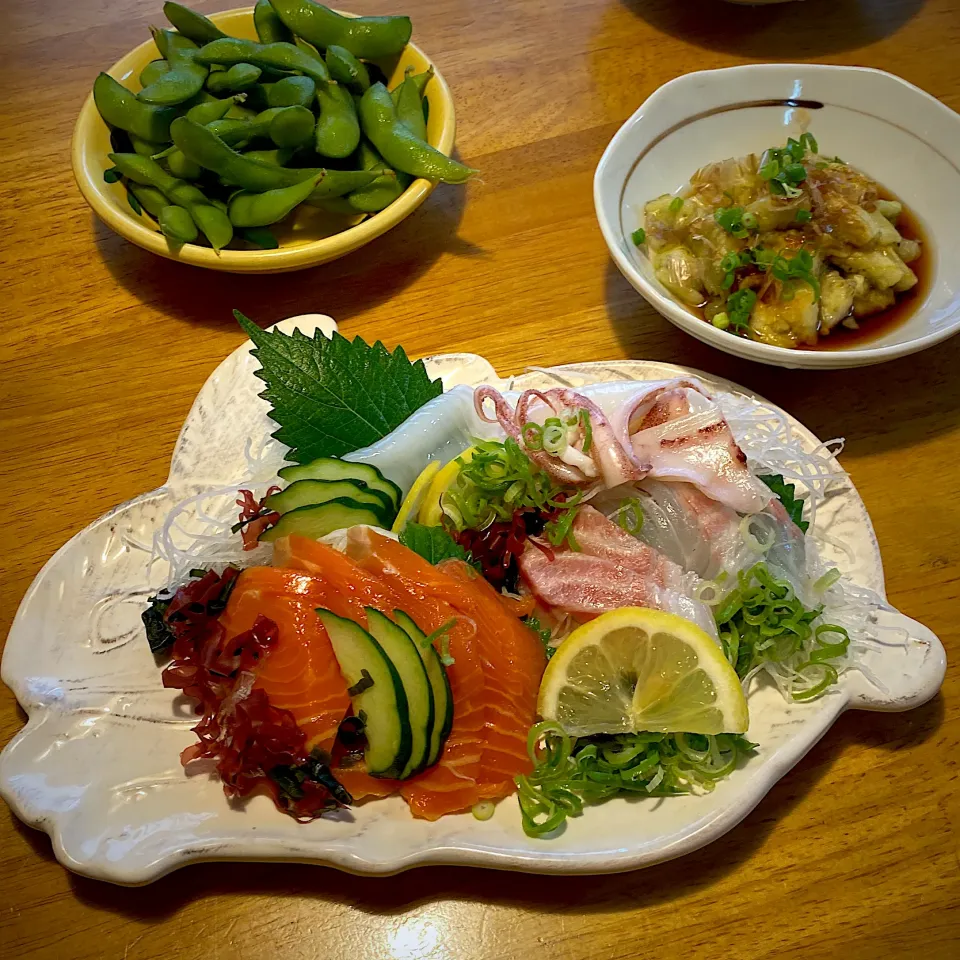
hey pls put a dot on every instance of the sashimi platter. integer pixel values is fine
(386, 614)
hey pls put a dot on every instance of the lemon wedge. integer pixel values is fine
(411, 504)
(636, 669)
(431, 513)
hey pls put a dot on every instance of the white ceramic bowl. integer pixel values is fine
(901, 136)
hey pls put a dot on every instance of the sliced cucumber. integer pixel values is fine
(317, 520)
(401, 649)
(439, 684)
(330, 468)
(382, 704)
(303, 493)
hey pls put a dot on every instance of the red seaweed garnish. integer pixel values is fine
(254, 517)
(497, 547)
(256, 746)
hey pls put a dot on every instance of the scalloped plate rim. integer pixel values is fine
(715, 822)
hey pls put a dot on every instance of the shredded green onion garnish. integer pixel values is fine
(587, 430)
(499, 480)
(569, 774)
(827, 580)
(639, 236)
(676, 204)
(762, 621)
(630, 516)
(442, 634)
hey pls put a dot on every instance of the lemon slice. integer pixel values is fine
(431, 513)
(411, 504)
(634, 670)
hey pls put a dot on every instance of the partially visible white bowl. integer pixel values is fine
(895, 132)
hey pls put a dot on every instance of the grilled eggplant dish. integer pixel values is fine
(784, 248)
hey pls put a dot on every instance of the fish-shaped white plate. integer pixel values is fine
(97, 764)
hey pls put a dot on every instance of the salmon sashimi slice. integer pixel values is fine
(301, 673)
(514, 660)
(511, 658)
(450, 785)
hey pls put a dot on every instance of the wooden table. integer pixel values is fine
(855, 853)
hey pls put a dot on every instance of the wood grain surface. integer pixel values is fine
(855, 853)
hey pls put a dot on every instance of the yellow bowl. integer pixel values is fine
(307, 238)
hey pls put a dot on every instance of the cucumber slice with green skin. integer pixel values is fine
(330, 468)
(319, 519)
(439, 683)
(398, 646)
(382, 704)
(304, 493)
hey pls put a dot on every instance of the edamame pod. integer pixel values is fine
(120, 108)
(183, 167)
(274, 56)
(270, 28)
(177, 225)
(153, 71)
(290, 126)
(370, 38)
(345, 68)
(191, 24)
(211, 110)
(399, 146)
(146, 148)
(149, 198)
(236, 79)
(291, 92)
(336, 183)
(338, 128)
(213, 222)
(202, 145)
(260, 236)
(185, 77)
(379, 193)
(409, 102)
(279, 156)
(262, 209)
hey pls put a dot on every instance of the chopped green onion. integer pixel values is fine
(750, 220)
(795, 172)
(827, 580)
(483, 810)
(828, 677)
(568, 774)
(676, 205)
(442, 634)
(739, 307)
(803, 216)
(639, 236)
(532, 434)
(630, 516)
(587, 430)
(809, 143)
(721, 321)
(762, 621)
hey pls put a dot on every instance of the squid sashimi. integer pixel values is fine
(301, 673)
(511, 658)
(682, 434)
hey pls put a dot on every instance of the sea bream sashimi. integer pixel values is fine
(611, 569)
